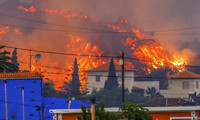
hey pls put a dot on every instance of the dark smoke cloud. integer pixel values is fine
(148, 15)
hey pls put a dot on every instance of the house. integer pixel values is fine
(138, 90)
(98, 76)
(167, 102)
(181, 84)
(158, 113)
(32, 83)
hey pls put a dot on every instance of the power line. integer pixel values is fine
(60, 53)
(74, 27)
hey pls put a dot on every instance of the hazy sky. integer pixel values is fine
(149, 15)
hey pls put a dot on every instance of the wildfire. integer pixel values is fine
(65, 13)
(18, 32)
(31, 9)
(141, 45)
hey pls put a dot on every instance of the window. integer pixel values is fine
(197, 84)
(98, 78)
(182, 118)
(119, 77)
(185, 85)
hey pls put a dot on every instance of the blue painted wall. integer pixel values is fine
(58, 103)
(14, 96)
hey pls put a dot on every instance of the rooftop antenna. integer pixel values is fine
(37, 57)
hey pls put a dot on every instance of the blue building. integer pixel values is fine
(33, 85)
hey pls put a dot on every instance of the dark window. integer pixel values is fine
(97, 78)
(197, 84)
(185, 85)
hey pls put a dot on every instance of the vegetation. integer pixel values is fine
(112, 97)
(5, 62)
(151, 92)
(14, 58)
(112, 78)
(73, 88)
(127, 111)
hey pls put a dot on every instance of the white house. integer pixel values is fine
(98, 76)
(181, 84)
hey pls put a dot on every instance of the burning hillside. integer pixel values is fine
(97, 39)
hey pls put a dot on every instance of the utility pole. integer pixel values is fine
(122, 77)
(22, 87)
(30, 60)
(6, 102)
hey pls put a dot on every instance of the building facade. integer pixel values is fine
(180, 85)
(158, 113)
(98, 76)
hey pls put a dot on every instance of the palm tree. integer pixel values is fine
(151, 92)
(5, 62)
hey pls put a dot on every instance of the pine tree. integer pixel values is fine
(112, 78)
(14, 58)
(75, 83)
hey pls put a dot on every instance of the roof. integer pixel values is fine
(105, 67)
(170, 102)
(185, 75)
(20, 75)
(136, 88)
(115, 109)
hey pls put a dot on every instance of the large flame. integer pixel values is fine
(141, 45)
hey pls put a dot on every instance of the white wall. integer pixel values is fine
(128, 82)
(175, 88)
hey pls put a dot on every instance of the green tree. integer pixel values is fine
(134, 112)
(127, 111)
(73, 88)
(112, 97)
(100, 113)
(5, 62)
(14, 58)
(151, 92)
(112, 78)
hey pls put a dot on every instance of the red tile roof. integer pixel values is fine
(185, 74)
(20, 75)
(105, 67)
(170, 102)
(136, 88)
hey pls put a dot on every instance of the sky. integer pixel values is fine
(154, 15)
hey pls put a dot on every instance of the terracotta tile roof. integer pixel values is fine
(170, 102)
(105, 67)
(136, 88)
(20, 75)
(185, 74)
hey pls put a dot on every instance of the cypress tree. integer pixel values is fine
(75, 83)
(14, 58)
(112, 78)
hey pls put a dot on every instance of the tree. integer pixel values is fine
(14, 58)
(112, 78)
(112, 97)
(134, 112)
(151, 92)
(73, 88)
(5, 63)
(100, 113)
(127, 111)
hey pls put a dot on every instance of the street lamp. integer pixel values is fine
(6, 102)
(22, 87)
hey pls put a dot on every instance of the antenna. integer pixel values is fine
(37, 57)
